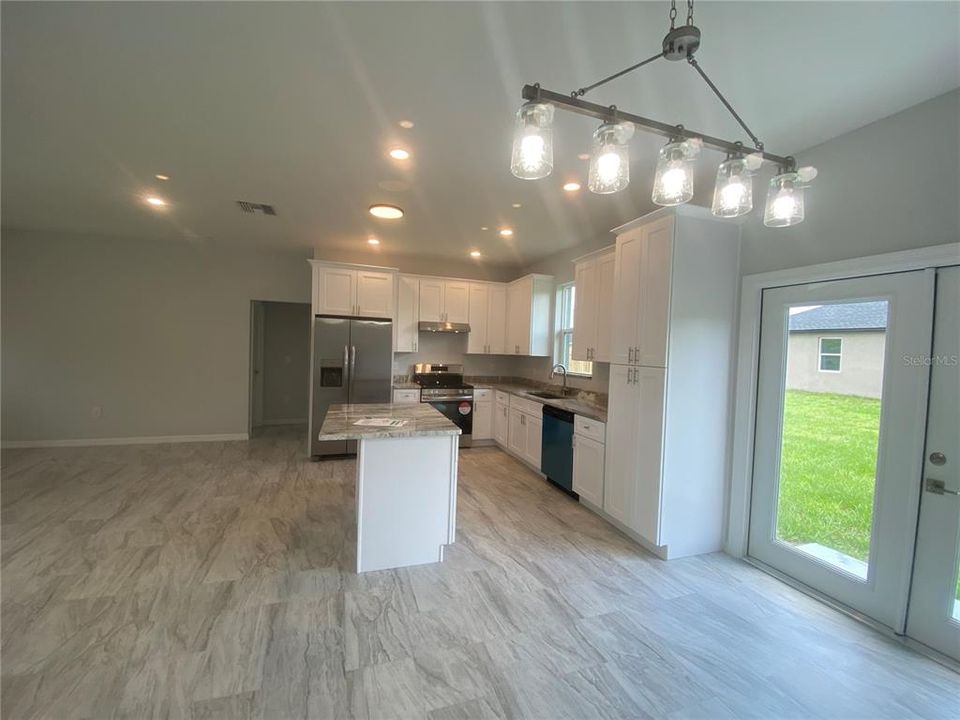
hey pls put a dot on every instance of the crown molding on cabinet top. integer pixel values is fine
(693, 211)
(352, 266)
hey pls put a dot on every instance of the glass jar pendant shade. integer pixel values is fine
(532, 156)
(784, 201)
(733, 192)
(610, 158)
(673, 182)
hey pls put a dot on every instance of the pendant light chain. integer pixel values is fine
(673, 14)
(689, 12)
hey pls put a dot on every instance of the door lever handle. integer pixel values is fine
(938, 487)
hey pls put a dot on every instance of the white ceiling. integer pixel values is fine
(296, 104)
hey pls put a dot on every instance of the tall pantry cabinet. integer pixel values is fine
(674, 304)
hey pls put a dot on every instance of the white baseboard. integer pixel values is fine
(143, 440)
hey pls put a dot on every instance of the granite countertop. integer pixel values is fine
(420, 419)
(579, 407)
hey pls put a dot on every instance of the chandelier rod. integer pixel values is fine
(696, 66)
(613, 114)
(584, 90)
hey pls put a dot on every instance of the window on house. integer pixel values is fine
(830, 351)
(566, 296)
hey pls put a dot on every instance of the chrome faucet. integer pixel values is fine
(563, 371)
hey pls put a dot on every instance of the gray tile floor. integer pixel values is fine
(213, 580)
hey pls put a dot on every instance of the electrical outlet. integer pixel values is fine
(96, 412)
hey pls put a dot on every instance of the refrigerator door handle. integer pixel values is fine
(353, 368)
(346, 357)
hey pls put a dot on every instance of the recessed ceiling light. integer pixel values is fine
(387, 212)
(373, 241)
(162, 177)
(156, 202)
(571, 186)
(406, 124)
(484, 228)
(474, 253)
(516, 205)
(399, 154)
(506, 232)
(584, 156)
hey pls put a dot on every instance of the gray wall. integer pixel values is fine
(891, 185)
(286, 362)
(861, 363)
(156, 333)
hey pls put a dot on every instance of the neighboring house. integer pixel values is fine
(838, 349)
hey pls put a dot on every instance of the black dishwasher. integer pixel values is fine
(556, 449)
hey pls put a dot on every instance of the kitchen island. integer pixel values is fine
(406, 481)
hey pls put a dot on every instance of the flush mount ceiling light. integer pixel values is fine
(156, 201)
(400, 154)
(372, 241)
(571, 187)
(406, 124)
(532, 156)
(506, 232)
(162, 178)
(386, 212)
(516, 205)
(474, 253)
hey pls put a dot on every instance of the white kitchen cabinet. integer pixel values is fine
(353, 291)
(483, 414)
(528, 316)
(517, 443)
(501, 422)
(408, 303)
(588, 468)
(534, 427)
(431, 300)
(593, 280)
(405, 396)
(675, 298)
(444, 300)
(488, 316)
(456, 301)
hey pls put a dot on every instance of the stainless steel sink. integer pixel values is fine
(547, 395)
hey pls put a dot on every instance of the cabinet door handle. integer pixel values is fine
(629, 355)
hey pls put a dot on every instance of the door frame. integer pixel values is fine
(740, 472)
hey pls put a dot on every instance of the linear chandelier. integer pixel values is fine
(532, 157)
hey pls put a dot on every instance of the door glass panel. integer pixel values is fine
(831, 427)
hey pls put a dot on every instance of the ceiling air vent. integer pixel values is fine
(256, 208)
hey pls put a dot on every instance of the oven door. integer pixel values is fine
(460, 412)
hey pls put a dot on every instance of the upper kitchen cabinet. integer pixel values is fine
(488, 317)
(675, 299)
(528, 315)
(408, 308)
(593, 276)
(444, 300)
(353, 291)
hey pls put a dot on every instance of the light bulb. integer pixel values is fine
(532, 156)
(784, 201)
(733, 192)
(610, 161)
(673, 182)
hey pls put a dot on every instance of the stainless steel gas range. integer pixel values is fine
(443, 387)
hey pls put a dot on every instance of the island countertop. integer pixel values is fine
(420, 419)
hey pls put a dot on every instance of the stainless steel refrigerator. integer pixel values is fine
(352, 363)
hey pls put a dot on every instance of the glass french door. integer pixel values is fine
(839, 437)
(934, 615)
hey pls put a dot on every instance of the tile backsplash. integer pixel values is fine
(451, 348)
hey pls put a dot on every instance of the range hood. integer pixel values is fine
(444, 327)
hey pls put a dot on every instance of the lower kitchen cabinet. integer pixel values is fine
(482, 414)
(501, 419)
(517, 443)
(533, 425)
(588, 460)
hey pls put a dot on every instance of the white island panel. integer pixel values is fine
(406, 502)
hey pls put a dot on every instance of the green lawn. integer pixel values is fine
(828, 469)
